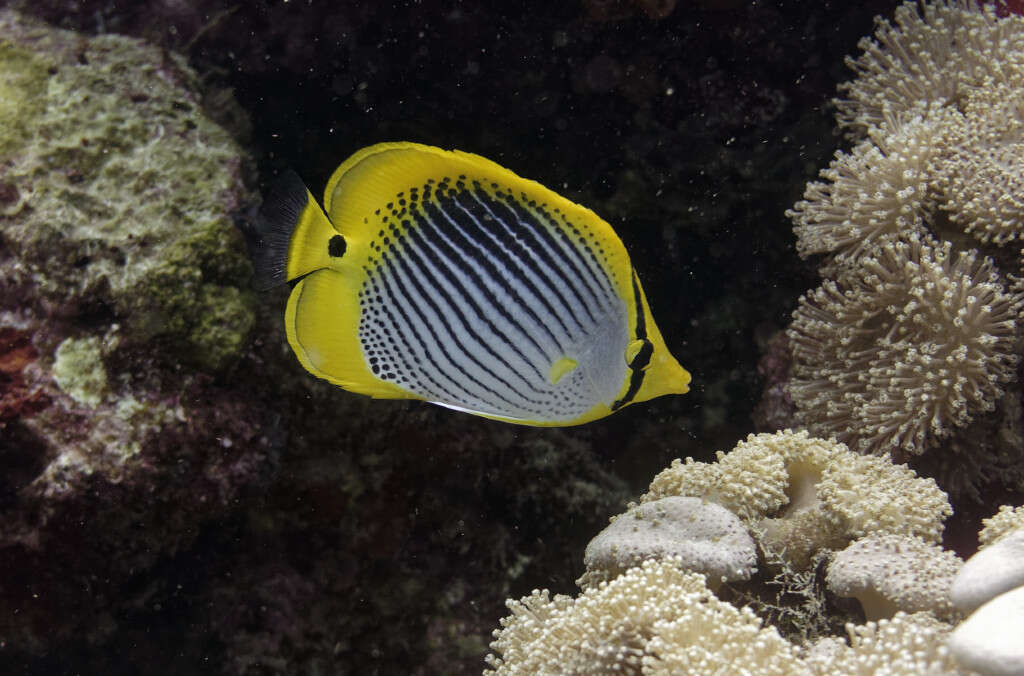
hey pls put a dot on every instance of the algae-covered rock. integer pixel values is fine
(78, 370)
(20, 74)
(123, 298)
(118, 192)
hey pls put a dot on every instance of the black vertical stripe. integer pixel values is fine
(543, 242)
(636, 377)
(445, 254)
(399, 264)
(518, 252)
(417, 252)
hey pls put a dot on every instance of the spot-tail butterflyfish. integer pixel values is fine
(439, 275)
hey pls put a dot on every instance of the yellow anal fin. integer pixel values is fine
(322, 323)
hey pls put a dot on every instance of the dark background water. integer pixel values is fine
(391, 534)
(691, 127)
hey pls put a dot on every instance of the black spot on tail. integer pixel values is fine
(269, 233)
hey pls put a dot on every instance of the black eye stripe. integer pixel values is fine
(636, 378)
(643, 357)
(336, 246)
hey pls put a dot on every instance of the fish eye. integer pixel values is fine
(638, 354)
(336, 247)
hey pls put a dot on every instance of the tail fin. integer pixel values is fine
(290, 234)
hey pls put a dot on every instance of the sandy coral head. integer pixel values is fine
(889, 573)
(703, 535)
(801, 494)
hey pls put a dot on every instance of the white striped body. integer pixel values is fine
(474, 297)
(440, 275)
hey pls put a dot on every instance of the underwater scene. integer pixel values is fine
(511, 337)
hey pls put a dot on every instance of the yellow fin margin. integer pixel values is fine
(322, 323)
(371, 177)
(664, 375)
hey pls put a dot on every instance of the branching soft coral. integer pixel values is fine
(940, 51)
(905, 644)
(877, 193)
(904, 348)
(653, 619)
(935, 109)
(980, 178)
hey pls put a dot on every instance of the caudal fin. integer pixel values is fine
(289, 236)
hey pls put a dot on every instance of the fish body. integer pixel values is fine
(442, 276)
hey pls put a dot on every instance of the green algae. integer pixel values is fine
(189, 299)
(225, 319)
(127, 192)
(78, 370)
(22, 79)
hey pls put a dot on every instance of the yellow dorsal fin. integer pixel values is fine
(365, 184)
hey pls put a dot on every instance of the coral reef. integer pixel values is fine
(800, 494)
(889, 573)
(910, 346)
(802, 499)
(652, 619)
(189, 501)
(660, 617)
(903, 348)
